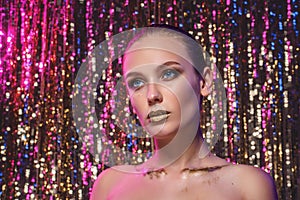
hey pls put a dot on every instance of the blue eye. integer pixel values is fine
(135, 84)
(169, 74)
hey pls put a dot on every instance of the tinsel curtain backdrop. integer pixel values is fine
(254, 44)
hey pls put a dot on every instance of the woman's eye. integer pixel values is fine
(135, 84)
(169, 74)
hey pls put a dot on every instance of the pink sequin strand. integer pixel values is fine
(254, 44)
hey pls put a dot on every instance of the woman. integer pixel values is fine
(166, 77)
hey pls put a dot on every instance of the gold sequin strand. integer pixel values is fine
(43, 44)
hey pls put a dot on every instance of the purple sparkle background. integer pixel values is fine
(254, 44)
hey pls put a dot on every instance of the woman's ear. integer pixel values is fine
(206, 83)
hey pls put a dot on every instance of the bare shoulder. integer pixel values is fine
(253, 182)
(104, 183)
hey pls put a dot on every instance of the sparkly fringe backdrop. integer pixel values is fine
(255, 45)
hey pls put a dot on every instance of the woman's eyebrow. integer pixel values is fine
(168, 63)
(160, 67)
(131, 74)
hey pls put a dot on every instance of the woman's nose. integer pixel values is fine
(153, 94)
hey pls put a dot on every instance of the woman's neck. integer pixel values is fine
(178, 159)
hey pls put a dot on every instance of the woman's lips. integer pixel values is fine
(158, 116)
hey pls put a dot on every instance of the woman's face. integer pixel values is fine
(164, 90)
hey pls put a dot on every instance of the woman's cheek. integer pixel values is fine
(138, 105)
(187, 98)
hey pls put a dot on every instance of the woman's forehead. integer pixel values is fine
(151, 57)
(170, 44)
(167, 43)
(157, 46)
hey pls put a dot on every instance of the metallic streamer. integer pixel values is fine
(254, 44)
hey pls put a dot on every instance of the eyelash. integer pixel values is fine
(175, 73)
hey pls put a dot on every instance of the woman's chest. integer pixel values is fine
(210, 187)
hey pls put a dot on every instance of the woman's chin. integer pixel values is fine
(161, 131)
(154, 130)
